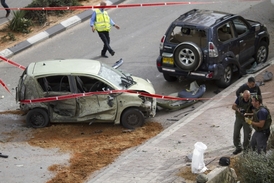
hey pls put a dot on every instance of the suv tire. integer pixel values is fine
(262, 52)
(226, 78)
(188, 56)
(169, 78)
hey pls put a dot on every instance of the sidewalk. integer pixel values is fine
(161, 158)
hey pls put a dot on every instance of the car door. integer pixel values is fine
(100, 107)
(245, 38)
(228, 45)
(59, 85)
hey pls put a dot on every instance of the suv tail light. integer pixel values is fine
(162, 42)
(212, 50)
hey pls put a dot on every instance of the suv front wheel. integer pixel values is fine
(188, 56)
(226, 78)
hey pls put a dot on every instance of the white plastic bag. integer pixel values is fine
(197, 164)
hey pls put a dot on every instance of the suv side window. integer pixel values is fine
(224, 32)
(240, 26)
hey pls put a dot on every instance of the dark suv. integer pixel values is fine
(211, 45)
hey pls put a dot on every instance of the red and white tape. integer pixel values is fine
(65, 97)
(126, 5)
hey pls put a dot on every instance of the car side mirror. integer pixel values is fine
(256, 27)
(118, 63)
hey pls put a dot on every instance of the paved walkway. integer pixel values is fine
(161, 158)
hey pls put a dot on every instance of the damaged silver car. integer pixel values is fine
(54, 78)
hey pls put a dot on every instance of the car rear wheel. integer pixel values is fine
(132, 118)
(169, 78)
(37, 118)
(188, 57)
(262, 52)
(226, 79)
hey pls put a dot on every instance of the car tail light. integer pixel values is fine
(162, 42)
(212, 50)
(159, 64)
(209, 75)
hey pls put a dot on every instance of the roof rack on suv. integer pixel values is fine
(187, 14)
(224, 18)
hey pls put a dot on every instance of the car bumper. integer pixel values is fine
(214, 71)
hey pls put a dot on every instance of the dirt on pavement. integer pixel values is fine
(91, 147)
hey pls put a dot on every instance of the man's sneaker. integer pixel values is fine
(112, 53)
(237, 151)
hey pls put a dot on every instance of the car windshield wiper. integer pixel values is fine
(127, 81)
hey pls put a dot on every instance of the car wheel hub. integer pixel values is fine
(187, 57)
(227, 74)
(37, 119)
(133, 119)
(261, 54)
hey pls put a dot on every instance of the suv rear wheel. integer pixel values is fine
(262, 52)
(188, 56)
(226, 79)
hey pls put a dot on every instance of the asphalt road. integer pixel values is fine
(137, 42)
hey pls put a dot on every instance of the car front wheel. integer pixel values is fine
(226, 78)
(262, 52)
(132, 118)
(37, 118)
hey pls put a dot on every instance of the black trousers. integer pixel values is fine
(259, 140)
(4, 4)
(104, 35)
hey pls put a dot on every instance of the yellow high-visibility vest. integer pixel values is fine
(102, 22)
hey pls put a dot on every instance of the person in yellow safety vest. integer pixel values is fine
(101, 22)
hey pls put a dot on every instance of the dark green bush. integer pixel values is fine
(255, 168)
(39, 17)
(19, 23)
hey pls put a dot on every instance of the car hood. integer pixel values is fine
(142, 85)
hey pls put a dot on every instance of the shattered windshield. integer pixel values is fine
(112, 75)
